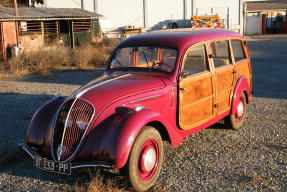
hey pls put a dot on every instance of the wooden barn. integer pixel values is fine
(36, 28)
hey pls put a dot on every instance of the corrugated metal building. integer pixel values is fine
(244, 16)
(36, 28)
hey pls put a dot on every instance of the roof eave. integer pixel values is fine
(265, 10)
(47, 18)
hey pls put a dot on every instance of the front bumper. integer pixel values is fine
(33, 154)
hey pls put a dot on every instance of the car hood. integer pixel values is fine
(109, 88)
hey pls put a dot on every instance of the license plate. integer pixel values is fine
(53, 166)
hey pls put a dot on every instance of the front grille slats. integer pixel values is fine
(78, 111)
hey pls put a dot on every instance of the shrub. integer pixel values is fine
(54, 57)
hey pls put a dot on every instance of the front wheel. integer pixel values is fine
(145, 160)
(235, 121)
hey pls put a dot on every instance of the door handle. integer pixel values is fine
(183, 89)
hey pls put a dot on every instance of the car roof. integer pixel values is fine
(178, 40)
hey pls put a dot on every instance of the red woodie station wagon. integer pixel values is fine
(156, 86)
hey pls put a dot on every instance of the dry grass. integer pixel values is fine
(257, 178)
(57, 58)
(88, 56)
(100, 182)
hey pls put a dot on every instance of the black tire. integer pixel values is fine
(235, 121)
(147, 142)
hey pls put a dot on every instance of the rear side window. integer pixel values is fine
(220, 53)
(195, 61)
(238, 50)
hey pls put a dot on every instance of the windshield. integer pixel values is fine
(156, 58)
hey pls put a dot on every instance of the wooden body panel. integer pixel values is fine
(224, 87)
(210, 94)
(243, 70)
(196, 101)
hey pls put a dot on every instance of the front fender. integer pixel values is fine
(131, 128)
(112, 140)
(241, 86)
(41, 121)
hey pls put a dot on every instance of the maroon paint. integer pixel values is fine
(113, 131)
(241, 86)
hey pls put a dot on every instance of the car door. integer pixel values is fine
(241, 60)
(196, 89)
(224, 74)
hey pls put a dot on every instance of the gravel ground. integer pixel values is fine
(215, 159)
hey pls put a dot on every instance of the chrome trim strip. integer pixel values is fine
(53, 129)
(65, 128)
(104, 82)
(29, 151)
(144, 99)
(32, 154)
(91, 165)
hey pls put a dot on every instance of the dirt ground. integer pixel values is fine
(215, 159)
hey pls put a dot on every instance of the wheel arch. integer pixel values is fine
(132, 126)
(240, 87)
(161, 129)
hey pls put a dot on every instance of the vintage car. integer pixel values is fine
(157, 86)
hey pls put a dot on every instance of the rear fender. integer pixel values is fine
(241, 86)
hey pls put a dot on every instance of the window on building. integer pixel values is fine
(220, 53)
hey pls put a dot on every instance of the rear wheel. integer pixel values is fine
(235, 121)
(145, 160)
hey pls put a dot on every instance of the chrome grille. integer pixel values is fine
(72, 123)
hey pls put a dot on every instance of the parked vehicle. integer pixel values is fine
(157, 86)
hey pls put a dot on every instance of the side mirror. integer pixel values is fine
(183, 74)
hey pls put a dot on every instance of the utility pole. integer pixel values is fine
(144, 13)
(16, 23)
(82, 4)
(16, 8)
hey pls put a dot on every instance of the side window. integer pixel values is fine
(195, 61)
(220, 53)
(238, 50)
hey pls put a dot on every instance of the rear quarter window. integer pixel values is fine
(238, 50)
(220, 53)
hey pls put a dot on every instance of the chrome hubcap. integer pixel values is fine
(149, 159)
(240, 109)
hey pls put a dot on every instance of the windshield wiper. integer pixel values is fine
(145, 59)
(118, 61)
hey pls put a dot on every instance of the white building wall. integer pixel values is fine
(122, 13)
(159, 13)
(63, 3)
